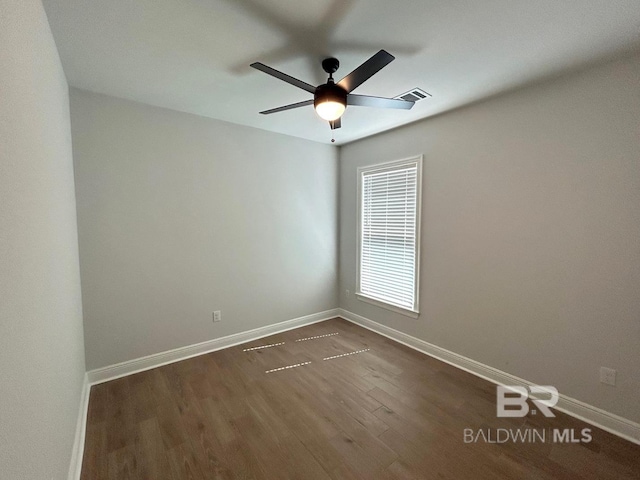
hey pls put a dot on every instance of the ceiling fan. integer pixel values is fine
(331, 99)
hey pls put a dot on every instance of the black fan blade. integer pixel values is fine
(288, 107)
(366, 70)
(378, 102)
(284, 77)
(336, 124)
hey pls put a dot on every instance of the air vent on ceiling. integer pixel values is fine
(414, 95)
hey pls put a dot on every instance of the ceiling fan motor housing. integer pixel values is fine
(330, 92)
(330, 65)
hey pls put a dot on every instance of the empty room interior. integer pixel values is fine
(329, 239)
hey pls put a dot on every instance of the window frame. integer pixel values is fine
(378, 168)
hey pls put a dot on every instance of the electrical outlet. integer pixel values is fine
(608, 376)
(347, 292)
(217, 316)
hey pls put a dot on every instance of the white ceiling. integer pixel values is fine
(193, 55)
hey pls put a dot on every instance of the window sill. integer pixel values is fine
(379, 303)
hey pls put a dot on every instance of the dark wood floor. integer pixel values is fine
(385, 413)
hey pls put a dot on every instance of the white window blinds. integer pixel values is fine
(388, 234)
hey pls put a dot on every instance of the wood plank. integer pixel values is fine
(153, 460)
(94, 461)
(120, 416)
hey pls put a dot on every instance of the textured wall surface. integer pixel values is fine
(180, 215)
(41, 337)
(530, 251)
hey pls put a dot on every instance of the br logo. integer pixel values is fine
(515, 397)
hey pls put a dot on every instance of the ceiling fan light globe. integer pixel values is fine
(330, 101)
(330, 110)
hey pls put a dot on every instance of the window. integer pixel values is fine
(389, 234)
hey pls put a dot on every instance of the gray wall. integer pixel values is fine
(530, 253)
(179, 215)
(41, 340)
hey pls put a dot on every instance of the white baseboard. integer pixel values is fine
(610, 422)
(130, 367)
(75, 466)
